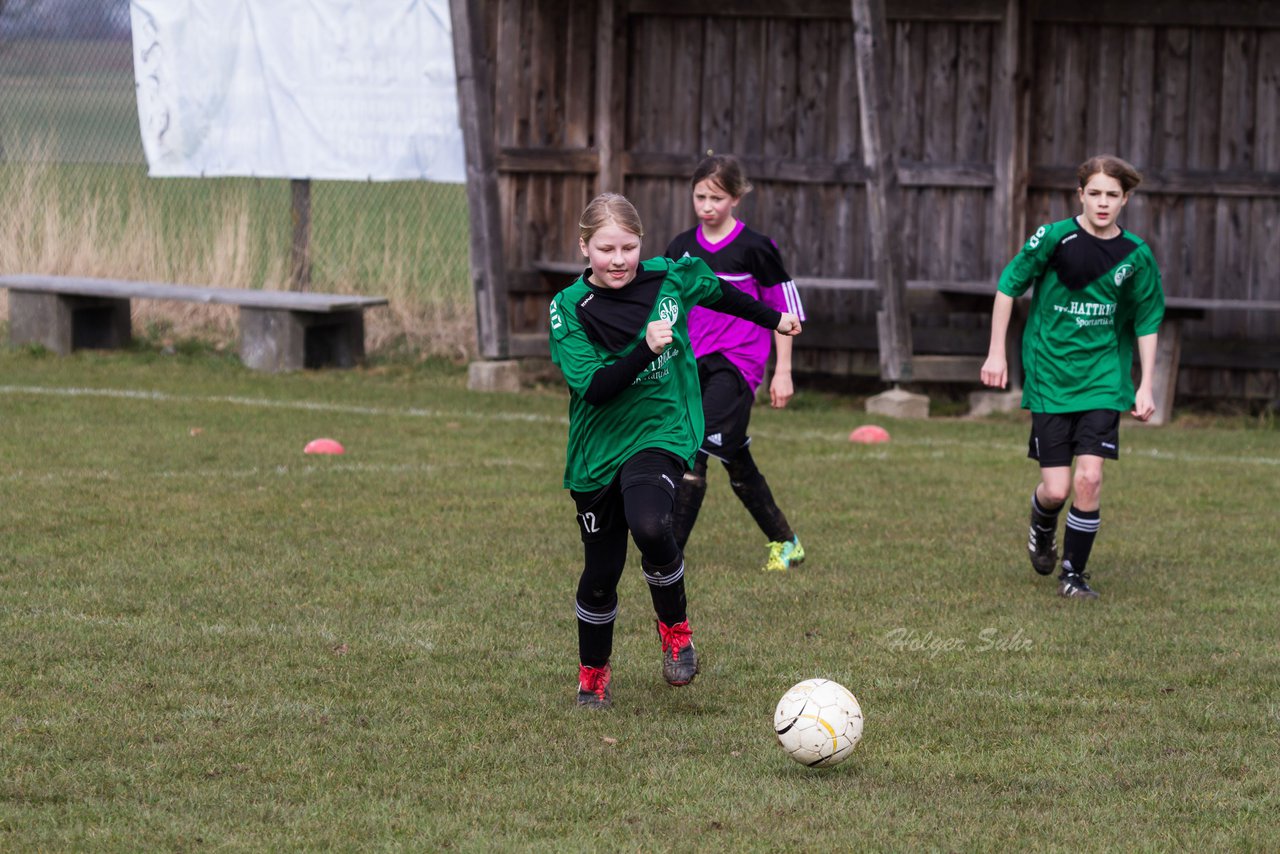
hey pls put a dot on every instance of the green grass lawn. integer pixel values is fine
(213, 641)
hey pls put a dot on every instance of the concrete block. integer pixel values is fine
(63, 322)
(990, 402)
(270, 340)
(276, 340)
(898, 403)
(494, 376)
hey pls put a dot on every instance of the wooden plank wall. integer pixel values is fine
(1189, 92)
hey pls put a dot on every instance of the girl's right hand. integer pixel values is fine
(789, 324)
(658, 335)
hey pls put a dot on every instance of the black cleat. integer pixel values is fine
(1075, 585)
(679, 659)
(1043, 548)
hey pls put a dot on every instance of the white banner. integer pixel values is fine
(360, 90)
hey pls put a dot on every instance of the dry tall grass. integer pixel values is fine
(114, 222)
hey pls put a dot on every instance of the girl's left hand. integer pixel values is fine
(780, 390)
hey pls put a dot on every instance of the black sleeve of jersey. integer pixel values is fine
(608, 382)
(735, 302)
(768, 268)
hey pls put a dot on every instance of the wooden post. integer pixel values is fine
(884, 203)
(1009, 116)
(300, 254)
(609, 103)
(1009, 133)
(475, 113)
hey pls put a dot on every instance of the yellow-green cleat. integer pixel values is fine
(783, 556)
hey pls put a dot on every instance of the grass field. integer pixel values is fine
(212, 641)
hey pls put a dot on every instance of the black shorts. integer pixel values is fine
(726, 404)
(602, 512)
(1059, 437)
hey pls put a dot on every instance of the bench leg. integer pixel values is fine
(270, 340)
(62, 323)
(1164, 382)
(335, 340)
(279, 340)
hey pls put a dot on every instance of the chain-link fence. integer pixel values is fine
(78, 200)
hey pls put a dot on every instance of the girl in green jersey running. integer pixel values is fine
(1097, 294)
(620, 336)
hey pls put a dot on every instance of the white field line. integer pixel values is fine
(415, 634)
(265, 403)
(280, 471)
(880, 452)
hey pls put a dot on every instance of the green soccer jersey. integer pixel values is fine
(1093, 299)
(662, 407)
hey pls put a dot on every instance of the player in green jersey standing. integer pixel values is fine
(620, 336)
(1097, 293)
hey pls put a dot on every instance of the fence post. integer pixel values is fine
(475, 114)
(884, 203)
(300, 254)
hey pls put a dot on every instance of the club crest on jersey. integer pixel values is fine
(1123, 272)
(669, 310)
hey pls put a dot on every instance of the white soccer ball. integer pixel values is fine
(818, 722)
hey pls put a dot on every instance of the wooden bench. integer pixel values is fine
(1177, 310)
(279, 330)
(923, 295)
(942, 360)
(963, 361)
(980, 295)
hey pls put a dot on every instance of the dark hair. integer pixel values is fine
(1112, 167)
(725, 170)
(608, 207)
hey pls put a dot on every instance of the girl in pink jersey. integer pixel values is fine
(732, 354)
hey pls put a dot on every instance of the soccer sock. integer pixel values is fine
(754, 493)
(666, 587)
(1082, 528)
(693, 488)
(595, 633)
(1044, 521)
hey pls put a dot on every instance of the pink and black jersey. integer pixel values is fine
(750, 262)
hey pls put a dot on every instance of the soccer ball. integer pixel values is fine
(818, 722)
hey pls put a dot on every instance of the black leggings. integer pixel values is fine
(638, 503)
(748, 484)
(647, 511)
